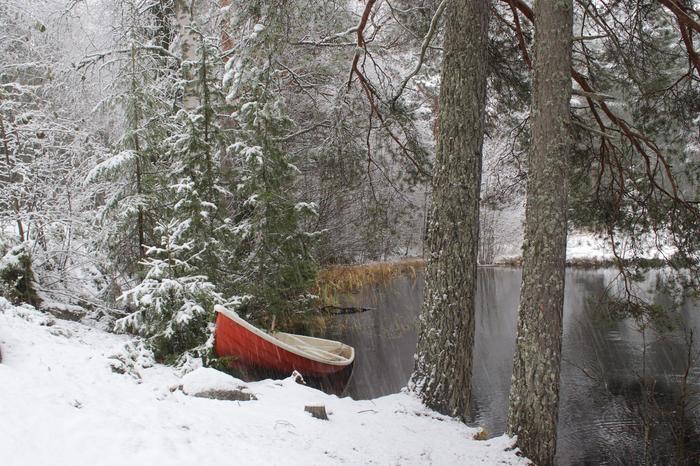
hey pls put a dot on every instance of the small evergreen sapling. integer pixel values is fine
(174, 308)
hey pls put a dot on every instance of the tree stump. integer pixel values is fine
(317, 411)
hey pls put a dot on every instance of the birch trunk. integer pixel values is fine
(184, 10)
(442, 376)
(534, 395)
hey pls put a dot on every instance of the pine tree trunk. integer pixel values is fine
(226, 39)
(442, 376)
(534, 395)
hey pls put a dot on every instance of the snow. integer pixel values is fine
(206, 379)
(311, 207)
(586, 247)
(64, 401)
(50, 304)
(592, 247)
(10, 261)
(111, 164)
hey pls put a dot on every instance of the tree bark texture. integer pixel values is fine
(534, 395)
(188, 46)
(442, 376)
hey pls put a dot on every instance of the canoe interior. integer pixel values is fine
(329, 350)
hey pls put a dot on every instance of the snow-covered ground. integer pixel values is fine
(62, 403)
(584, 246)
(591, 248)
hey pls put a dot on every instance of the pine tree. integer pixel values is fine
(187, 270)
(442, 375)
(196, 152)
(276, 248)
(275, 241)
(534, 396)
(143, 90)
(173, 304)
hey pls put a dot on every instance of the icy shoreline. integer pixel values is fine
(64, 401)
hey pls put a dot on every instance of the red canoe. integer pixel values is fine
(279, 353)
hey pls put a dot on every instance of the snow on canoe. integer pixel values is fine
(279, 353)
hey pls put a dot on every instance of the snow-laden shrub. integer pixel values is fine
(26, 312)
(16, 277)
(172, 309)
(130, 358)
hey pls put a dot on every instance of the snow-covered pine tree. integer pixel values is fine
(173, 304)
(16, 274)
(276, 241)
(276, 246)
(196, 152)
(187, 270)
(144, 91)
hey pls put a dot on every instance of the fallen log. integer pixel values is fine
(339, 310)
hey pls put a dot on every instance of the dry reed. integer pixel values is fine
(342, 279)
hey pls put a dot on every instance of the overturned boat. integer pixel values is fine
(325, 363)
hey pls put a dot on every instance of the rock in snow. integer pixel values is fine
(210, 383)
(63, 311)
(61, 403)
(317, 411)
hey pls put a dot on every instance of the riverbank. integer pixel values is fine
(584, 250)
(602, 395)
(337, 280)
(71, 394)
(590, 250)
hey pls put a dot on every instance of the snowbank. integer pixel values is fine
(584, 248)
(63, 402)
(591, 247)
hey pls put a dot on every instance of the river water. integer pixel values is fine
(605, 376)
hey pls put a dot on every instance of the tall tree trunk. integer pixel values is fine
(8, 162)
(226, 40)
(188, 43)
(534, 395)
(6, 148)
(442, 376)
(136, 117)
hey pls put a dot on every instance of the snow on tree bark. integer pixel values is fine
(534, 396)
(442, 376)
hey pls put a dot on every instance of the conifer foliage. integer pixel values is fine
(275, 243)
(231, 229)
(173, 305)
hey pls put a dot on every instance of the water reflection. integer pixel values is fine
(605, 387)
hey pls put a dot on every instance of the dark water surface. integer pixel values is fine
(602, 390)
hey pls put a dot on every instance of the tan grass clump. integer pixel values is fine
(342, 279)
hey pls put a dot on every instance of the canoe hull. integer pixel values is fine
(256, 357)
